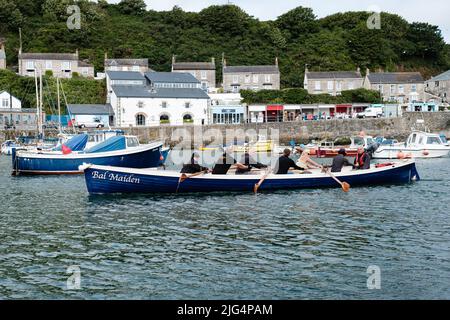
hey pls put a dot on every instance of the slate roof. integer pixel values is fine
(125, 75)
(126, 62)
(334, 75)
(171, 77)
(88, 109)
(442, 77)
(251, 69)
(84, 64)
(194, 66)
(146, 92)
(48, 56)
(395, 77)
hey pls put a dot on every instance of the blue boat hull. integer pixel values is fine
(26, 164)
(113, 180)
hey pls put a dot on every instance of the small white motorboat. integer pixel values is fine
(419, 145)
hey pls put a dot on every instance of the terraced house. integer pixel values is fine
(398, 87)
(332, 82)
(237, 78)
(205, 72)
(135, 65)
(440, 86)
(62, 65)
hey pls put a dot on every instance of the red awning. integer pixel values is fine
(343, 106)
(275, 108)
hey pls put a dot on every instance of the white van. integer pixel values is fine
(371, 113)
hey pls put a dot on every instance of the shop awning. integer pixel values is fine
(275, 108)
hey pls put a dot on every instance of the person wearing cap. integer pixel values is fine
(305, 161)
(193, 166)
(340, 161)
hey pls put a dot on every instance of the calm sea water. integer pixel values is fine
(313, 244)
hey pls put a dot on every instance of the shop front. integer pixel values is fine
(228, 114)
(275, 113)
(257, 113)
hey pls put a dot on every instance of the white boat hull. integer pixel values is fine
(391, 152)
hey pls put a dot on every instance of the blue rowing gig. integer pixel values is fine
(120, 151)
(109, 180)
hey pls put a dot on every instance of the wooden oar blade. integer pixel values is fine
(345, 187)
(183, 178)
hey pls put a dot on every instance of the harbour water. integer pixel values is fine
(313, 244)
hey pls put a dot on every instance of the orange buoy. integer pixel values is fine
(401, 155)
(425, 153)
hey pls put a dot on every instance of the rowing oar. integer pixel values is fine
(185, 177)
(256, 187)
(345, 186)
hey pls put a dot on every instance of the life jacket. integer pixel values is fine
(360, 159)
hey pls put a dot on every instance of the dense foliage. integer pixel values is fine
(129, 29)
(301, 96)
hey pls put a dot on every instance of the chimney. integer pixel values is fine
(358, 70)
(106, 55)
(76, 53)
(306, 68)
(213, 61)
(276, 61)
(367, 71)
(224, 61)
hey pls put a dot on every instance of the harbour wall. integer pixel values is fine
(302, 131)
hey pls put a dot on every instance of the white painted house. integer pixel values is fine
(168, 98)
(6, 99)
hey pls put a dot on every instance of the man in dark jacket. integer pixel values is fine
(362, 161)
(285, 163)
(248, 161)
(340, 161)
(194, 167)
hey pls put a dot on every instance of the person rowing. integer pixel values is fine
(249, 163)
(340, 161)
(362, 160)
(224, 164)
(305, 161)
(194, 166)
(285, 163)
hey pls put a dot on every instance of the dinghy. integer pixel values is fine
(109, 180)
(121, 151)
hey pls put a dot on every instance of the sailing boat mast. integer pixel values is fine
(41, 105)
(37, 100)
(59, 106)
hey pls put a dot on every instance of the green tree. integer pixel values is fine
(132, 7)
(298, 22)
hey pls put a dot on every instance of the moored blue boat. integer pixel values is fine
(108, 180)
(120, 151)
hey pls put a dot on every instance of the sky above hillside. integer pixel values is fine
(435, 12)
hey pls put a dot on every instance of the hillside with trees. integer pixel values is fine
(129, 29)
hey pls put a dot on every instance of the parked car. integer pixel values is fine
(96, 123)
(371, 113)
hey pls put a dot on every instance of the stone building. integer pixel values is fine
(439, 86)
(237, 78)
(205, 72)
(332, 82)
(398, 87)
(136, 65)
(62, 65)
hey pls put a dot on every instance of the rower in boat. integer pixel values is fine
(193, 166)
(249, 163)
(340, 161)
(224, 164)
(305, 162)
(285, 163)
(362, 160)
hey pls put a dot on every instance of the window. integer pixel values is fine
(339, 86)
(401, 89)
(164, 104)
(124, 68)
(204, 85)
(247, 78)
(188, 119)
(414, 88)
(164, 119)
(380, 88)
(330, 86)
(48, 65)
(140, 120)
(66, 66)
(135, 68)
(5, 103)
(236, 79)
(317, 83)
(141, 104)
(30, 65)
(351, 85)
(255, 78)
(434, 140)
(204, 75)
(187, 105)
(392, 88)
(268, 78)
(114, 68)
